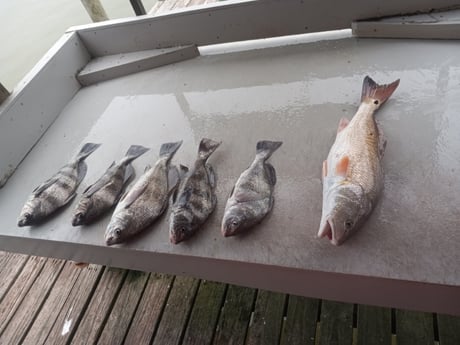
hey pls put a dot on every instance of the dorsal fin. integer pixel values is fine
(342, 166)
(343, 123)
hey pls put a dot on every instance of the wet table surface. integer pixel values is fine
(295, 94)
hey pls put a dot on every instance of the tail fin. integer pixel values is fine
(86, 150)
(133, 152)
(207, 147)
(378, 94)
(169, 149)
(265, 148)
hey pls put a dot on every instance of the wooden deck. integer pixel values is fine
(49, 301)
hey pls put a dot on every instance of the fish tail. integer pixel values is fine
(133, 152)
(378, 94)
(86, 150)
(169, 149)
(207, 147)
(265, 148)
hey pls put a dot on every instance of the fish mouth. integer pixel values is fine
(78, 219)
(327, 230)
(25, 220)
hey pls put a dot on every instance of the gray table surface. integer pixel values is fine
(296, 94)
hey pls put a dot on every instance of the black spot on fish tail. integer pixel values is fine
(265, 148)
(207, 147)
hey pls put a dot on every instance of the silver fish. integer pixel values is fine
(146, 200)
(195, 199)
(58, 190)
(353, 173)
(99, 197)
(252, 196)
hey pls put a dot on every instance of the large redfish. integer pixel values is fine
(353, 173)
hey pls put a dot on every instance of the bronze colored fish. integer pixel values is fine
(146, 200)
(58, 190)
(353, 173)
(252, 196)
(195, 199)
(99, 197)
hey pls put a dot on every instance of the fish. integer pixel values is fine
(195, 198)
(99, 197)
(353, 172)
(251, 199)
(57, 191)
(148, 198)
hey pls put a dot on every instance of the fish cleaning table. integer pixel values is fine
(406, 255)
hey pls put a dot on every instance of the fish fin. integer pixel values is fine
(183, 170)
(382, 140)
(271, 173)
(324, 174)
(183, 198)
(271, 202)
(129, 174)
(342, 166)
(169, 149)
(343, 123)
(213, 202)
(147, 167)
(133, 152)
(82, 168)
(133, 195)
(265, 148)
(86, 150)
(211, 175)
(233, 190)
(173, 178)
(70, 198)
(375, 93)
(207, 147)
(40, 188)
(94, 187)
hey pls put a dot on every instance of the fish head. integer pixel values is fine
(345, 208)
(181, 226)
(80, 215)
(236, 220)
(117, 230)
(30, 213)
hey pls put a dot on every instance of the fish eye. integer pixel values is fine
(234, 223)
(348, 224)
(117, 232)
(183, 230)
(376, 102)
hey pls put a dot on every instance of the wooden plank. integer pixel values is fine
(177, 310)
(95, 10)
(300, 324)
(231, 21)
(21, 130)
(266, 321)
(11, 267)
(76, 302)
(414, 328)
(19, 290)
(114, 66)
(15, 328)
(374, 325)
(99, 307)
(336, 323)
(40, 329)
(449, 329)
(437, 25)
(125, 306)
(205, 313)
(150, 308)
(235, 316)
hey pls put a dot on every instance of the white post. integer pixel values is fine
(95, 10)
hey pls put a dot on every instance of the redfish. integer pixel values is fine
(353, 172)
